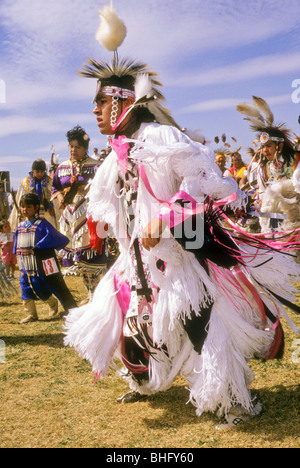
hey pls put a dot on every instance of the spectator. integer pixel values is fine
(7, 245)
(40, 183)
(70, 188)
(4, 202)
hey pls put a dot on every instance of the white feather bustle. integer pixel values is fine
(282, 197)
(112, 30)
(296, 179)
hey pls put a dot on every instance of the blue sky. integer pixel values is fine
(210, 56)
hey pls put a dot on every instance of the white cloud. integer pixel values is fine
(44, 39)
(259, 67)
(7, 161)
(229, 103)
(210, 105)
(45, 44)
(188, 42)
(20, 124)
(26, 94)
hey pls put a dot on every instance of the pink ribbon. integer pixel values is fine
(244, 280)
(172, 214)
(121, 149)
(122, 116)
(261, 238)
(123, 293)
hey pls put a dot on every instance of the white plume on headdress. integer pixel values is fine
(143, 86)
(112, 30)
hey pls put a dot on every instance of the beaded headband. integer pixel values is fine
(265, 137)
(114, 91)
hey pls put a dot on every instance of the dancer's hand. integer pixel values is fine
(60, 201)
(151, 234)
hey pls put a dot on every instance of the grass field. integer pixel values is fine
(48, 399)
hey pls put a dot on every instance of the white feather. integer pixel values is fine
(143, 86)
(195, 135)
(112, 30)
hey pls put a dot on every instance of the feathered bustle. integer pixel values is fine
(112, 30)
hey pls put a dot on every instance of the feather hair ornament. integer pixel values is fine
(265, 110)
(120, 68)
(261, 117)
(258, 114)
(147, 96)
(261, 120)
(143, 86)
(112, 30)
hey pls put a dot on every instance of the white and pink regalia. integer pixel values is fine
(202, 312)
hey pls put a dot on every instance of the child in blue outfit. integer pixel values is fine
(40, 277)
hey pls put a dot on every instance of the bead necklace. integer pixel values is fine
(78, 165)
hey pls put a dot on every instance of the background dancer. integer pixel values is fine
(276, 169)
(69, 188)
(40, 277)
(40, 183)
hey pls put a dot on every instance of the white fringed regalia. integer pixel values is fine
(196, 316)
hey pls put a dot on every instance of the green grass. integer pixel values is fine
(48, 399)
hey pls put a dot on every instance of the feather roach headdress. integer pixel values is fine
(261, 120)
(125, 78)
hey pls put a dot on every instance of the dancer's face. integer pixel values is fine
(237, 161)
(77, 152)
(221, 163)
(29, 211)
(6, 228)
(103, 111)
(39, 174)
(269, 150)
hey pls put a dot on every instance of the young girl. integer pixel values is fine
(40, 277)
(9, 259)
